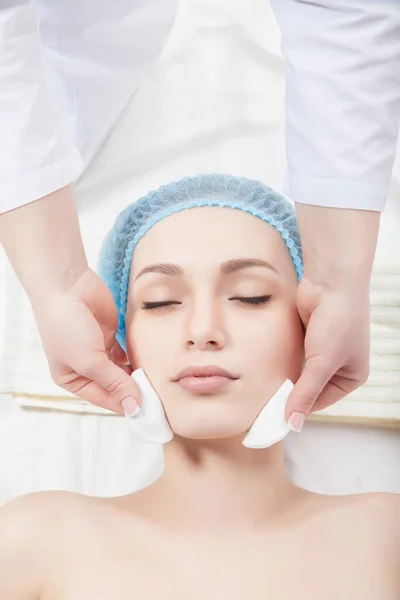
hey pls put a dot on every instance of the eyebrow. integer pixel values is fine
(227, 268)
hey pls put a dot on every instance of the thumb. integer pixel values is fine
(306, 391)
(120, 389)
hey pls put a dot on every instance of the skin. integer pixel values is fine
(222, 521)
(261, 344)
(44, 245)
(333, 301)
(70, 302)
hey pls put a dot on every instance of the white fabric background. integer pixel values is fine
(212, 102)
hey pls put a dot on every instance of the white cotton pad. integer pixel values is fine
(270, 426)
(151, 422)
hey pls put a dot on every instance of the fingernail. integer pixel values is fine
(130, 407)
(296, 421)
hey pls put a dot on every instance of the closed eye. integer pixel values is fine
(154, 305)
(254, 300)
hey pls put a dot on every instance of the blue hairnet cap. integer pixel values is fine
(227, 191)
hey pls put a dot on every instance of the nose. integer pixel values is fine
(205, 329)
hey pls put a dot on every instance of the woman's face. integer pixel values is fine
(213, 288)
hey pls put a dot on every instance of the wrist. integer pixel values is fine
(338, 246)
(44, 244)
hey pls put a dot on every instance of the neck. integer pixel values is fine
(214, 483)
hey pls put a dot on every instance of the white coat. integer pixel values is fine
(69, 67)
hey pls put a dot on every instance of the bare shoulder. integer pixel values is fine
(375, 519)
(45, 516)
(363, 527)
(35, 519)
(380, 514)
(28, 538)
(381, 508)
(376, 508)
(361, 516)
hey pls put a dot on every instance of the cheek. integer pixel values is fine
(290, 347)
(148, 344)
(274, 346)
(152, 346)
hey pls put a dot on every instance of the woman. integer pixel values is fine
(204, 273)
(341, 143)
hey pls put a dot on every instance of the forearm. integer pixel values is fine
(338, 245)
(44, 243)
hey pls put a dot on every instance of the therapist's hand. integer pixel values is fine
(333, 302)
(337, 347)
(74, 310)
(78, 329)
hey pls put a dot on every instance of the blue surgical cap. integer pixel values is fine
(226, 191)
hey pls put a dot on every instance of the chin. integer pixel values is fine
(210, 426)
(207, 433)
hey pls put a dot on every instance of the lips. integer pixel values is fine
(206, 379)
(211, 371)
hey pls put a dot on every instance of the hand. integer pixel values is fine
(77, 327)
(337, 347)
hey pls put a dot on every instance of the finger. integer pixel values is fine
(125, 367)
(118, 354)
(330, 394)
(93, 393)
(308, 387)
(336, 389)
(120, 387)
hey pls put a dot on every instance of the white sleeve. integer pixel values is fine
(37, 153)
(342, 64)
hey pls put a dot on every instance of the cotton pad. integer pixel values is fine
(151, 422)
(270, 426)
